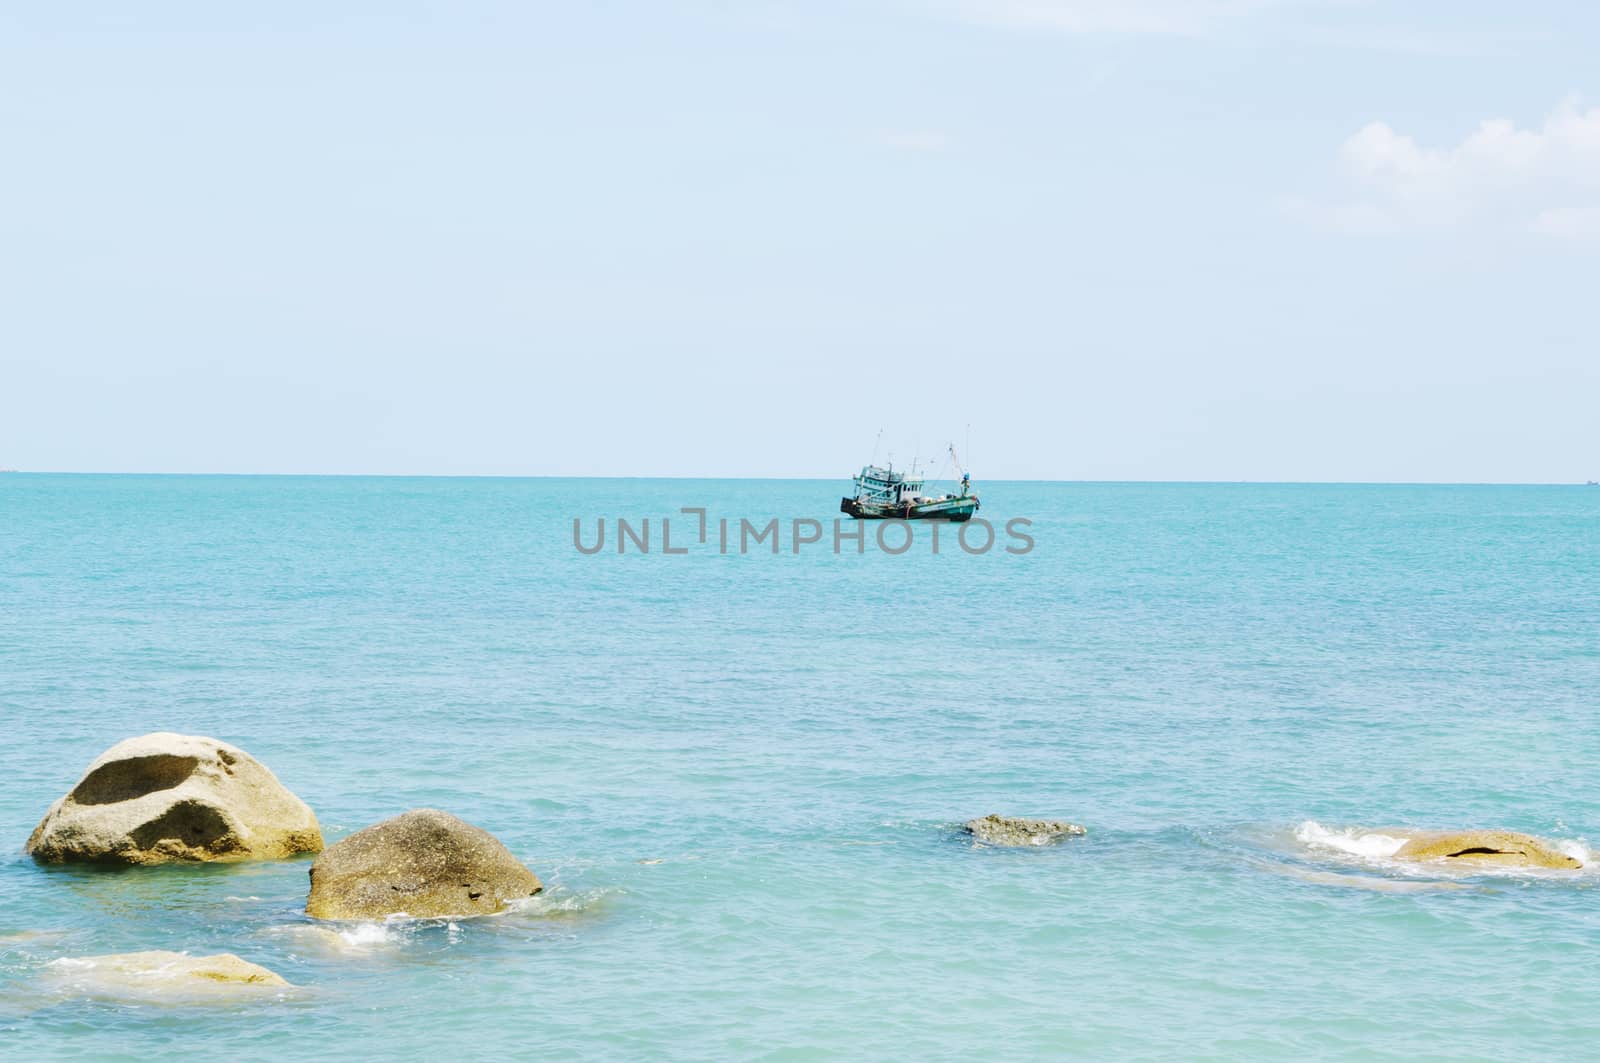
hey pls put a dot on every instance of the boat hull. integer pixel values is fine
(954, 510)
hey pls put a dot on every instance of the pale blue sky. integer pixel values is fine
(1216, 239)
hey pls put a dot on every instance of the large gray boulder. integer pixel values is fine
(1015, 831)
(165, 797)
(1497, 848)
(424, 863)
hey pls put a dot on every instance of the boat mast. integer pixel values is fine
(966, 479)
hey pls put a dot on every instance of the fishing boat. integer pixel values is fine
(883, 493)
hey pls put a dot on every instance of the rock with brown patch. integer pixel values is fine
(156, 977)
(1493, 847)
(424, 863)
(170, 797)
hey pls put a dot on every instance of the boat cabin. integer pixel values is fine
(878, 484)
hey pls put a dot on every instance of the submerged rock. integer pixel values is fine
(1011, 830)
(1502, 848)
(424, 863)
(357, 939)
(1362, 882)
(154, 976)
(165, 797)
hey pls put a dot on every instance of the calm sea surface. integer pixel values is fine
(740, 776)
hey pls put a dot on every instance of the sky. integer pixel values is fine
(1283, 240)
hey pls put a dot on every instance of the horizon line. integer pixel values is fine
(797, 479)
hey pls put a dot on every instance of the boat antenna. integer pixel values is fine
(942, 467)
(876, 445)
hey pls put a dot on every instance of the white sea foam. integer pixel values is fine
(369, 935)
(561, 903)
(353, 939)
(1352, 840)
(1578, 851)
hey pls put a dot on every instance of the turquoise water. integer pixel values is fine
(740, 776)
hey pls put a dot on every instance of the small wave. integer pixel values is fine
(1352, 840)
(1578, 851)
(398, 932)
(369, 935)
(352, 939)
(562, 904)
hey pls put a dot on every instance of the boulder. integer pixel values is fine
(166, 797)
(160, 976)
(1361, 882)
(425, 864)
(1010, 830)
(1501, 848)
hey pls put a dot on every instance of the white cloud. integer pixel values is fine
(1545, 179)
(921, 140)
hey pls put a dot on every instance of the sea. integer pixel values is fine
(741, 768)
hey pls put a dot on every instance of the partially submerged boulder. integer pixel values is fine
(165, 797)
(1502, 848)
(1012, 830)
(424, 863)
(161, 976)
(1361, 882)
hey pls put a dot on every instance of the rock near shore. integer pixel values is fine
(1501, 848)
(425, 864)
(171, 797)
(157, 977)
(1015, 831)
